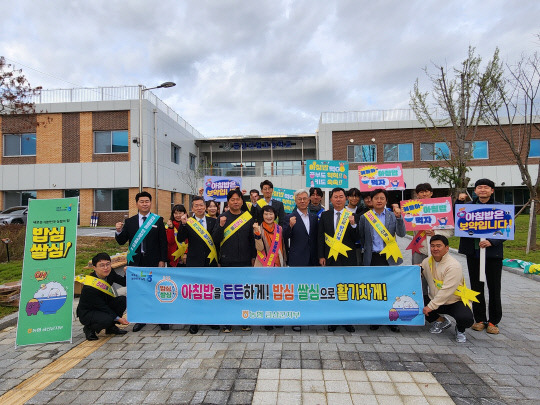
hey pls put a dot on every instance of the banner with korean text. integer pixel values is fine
(387, 176)
(327, 173)
(429, 213)
(216, 187)
(286, 196)
(490, 221)
(276, 296)
(46, 303)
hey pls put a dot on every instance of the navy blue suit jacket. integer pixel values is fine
(302, 242)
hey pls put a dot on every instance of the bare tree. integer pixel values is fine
(455, 102)
(513, 112)
(15, 92)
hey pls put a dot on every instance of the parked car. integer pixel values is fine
(14, 215)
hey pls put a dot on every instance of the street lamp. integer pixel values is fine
(142, 89)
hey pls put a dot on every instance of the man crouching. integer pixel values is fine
(99, 307)
(444, 275)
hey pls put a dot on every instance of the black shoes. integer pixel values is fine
(374, 327)
(138, 326)
(394, 328)
(115, 330)
(332, 328)
(167, 327)
(297, 328)
(90, 334)
(193, 329)
(349, 328)
(214, 327)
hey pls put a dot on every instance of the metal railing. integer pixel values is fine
(367, 116)
(84, 94)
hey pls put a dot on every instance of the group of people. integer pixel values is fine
(259, 233)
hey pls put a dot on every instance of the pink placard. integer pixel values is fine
(430, 213)
(387, 176)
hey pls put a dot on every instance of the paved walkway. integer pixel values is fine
(281, 366)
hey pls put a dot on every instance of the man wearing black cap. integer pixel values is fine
(484, 189)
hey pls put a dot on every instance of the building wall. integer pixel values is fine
(46, 194)
(86, 199)
(49, 139)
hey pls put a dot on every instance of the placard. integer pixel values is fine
(386, 176)
(428, 213)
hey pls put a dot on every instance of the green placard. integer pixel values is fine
(46, 303)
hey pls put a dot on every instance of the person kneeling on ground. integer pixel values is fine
(444, 275)
(99, 307)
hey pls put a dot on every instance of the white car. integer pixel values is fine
(14, 215)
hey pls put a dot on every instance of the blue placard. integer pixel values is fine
(327, 173)
(276, 296)
(490, 221)
(216, 187)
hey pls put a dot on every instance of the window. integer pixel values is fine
(18, 198)
(234, 169)
(192, 161)
(283, 168)
(398, 152)
(19, 144)
(535, 148)
(110, 141)
(479, 149)
(434, 151)
(362, 153)
(175, 153)
(111, 200)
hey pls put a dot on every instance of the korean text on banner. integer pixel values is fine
(327, 173)
(276, 296)
(387, 176)
(217, 188)
(429, 213)
(286, 196)
(46, 303)
(490, 221)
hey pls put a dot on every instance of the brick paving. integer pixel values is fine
(314, 366)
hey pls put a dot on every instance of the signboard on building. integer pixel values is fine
(46, 303)
(429, 213)
(490, 221)
(216, 188)
(286, 196)
(387, 176)
(327, 173)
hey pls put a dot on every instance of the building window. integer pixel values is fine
(283, 168)
(479, 149)
(175, 153)
(111, 200)
(362, 153)
(18, 198)
(434, 151)
(110, 141)
(19, 144)
(398, 152)
(192, 161)
(234, 169)
(535, 148)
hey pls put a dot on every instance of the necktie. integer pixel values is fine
(338, 214)
(143, 244)
(201, 221)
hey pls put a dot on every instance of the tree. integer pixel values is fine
(456, 103)
(513, 111)
(15, 92)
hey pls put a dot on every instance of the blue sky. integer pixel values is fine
(260, 67)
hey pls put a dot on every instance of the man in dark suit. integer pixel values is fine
(329, 222)
(267, 189)
(200, 253)
(300, 232)
(152, 250)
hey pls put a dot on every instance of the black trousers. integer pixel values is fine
(460, 312)
(493, 280)
(378, 260)
(97, 320)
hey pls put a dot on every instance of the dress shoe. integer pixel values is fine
(138, 326)
(394, 328)
(214, 327)
(89, 334)
(374, 327)
(332, 328)
(193, 329)
(268, 327)
(349, 328)
(164, 326)
(115, 330)
(297, 328)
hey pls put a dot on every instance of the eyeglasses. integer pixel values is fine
(104, 265)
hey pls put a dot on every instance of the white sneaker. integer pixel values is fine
(460, 336)
(438, 326)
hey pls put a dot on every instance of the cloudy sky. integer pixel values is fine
(260, 67)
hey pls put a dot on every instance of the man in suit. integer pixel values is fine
(267, 189)
(372, 242)
(300, 233)
(200, 253)
(336, 218)
(152, 249)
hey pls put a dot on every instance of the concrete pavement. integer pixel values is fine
(282, 366)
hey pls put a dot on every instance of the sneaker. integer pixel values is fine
(438, 326)
(227, 329)
(479, 326)
(460, 336)
(493, 329)
(246, 328)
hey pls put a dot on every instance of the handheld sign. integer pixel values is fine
(429, 213)
(387, 176)
(327, 173)
(216, 188)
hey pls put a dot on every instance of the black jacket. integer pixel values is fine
(302, 242)
(469, 247)
(326, 225)
(155, 241)
(197, 254)
(240, 247)
(92, 299)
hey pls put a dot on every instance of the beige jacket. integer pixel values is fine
(262, 246)
(444, 232)
(449, 271)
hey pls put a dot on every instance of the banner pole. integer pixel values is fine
(483, 262)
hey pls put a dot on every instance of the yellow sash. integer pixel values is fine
(205, 236)
(335, 243)
(462, 291)
(235, 226)
(391, 248)
(182, 247)
(262, 202)
(97, 283)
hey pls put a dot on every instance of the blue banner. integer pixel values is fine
(327, 173)
(216, 187)
(277, 296)
(490, 221)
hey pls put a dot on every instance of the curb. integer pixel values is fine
(9, 320)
